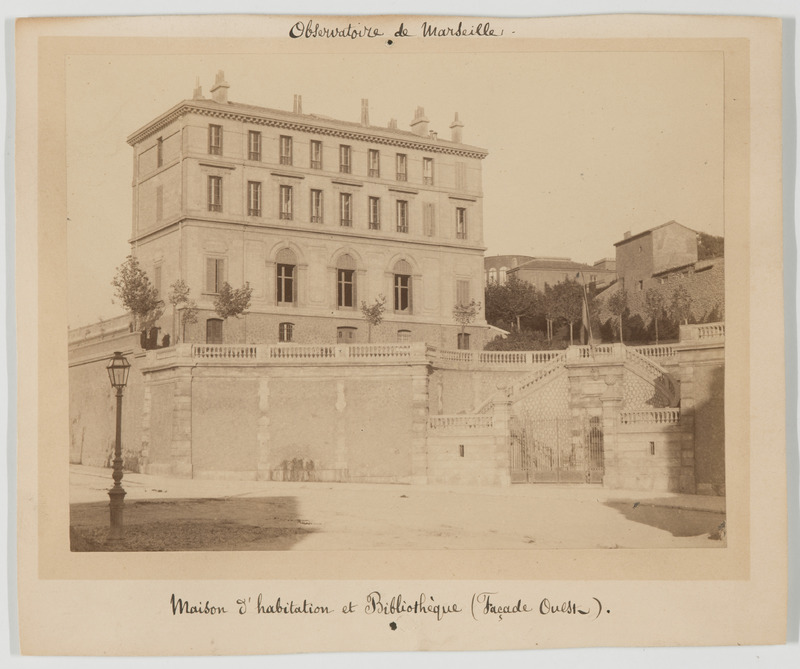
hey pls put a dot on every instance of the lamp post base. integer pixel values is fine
(116, 505)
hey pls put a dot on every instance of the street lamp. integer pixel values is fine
(117, 369)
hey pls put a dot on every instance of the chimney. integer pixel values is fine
(198, 90)
(627, 235)
(298, 104)
(364, 112)
(392, 124)
(455, 129)
(420, 123)
(219, 92)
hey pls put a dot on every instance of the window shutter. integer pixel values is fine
(211, 274)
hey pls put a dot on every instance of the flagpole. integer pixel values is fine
(586, 307)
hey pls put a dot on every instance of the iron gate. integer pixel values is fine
(557, 450)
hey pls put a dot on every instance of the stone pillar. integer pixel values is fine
(419, 424)
(340, 452)
(502, 443)
(688, 482)
(181, 447)
(612, 458)
(263, 465)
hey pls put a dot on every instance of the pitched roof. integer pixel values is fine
(647, 232)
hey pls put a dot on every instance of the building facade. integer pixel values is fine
(316, 215)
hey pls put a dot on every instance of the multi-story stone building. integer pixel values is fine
(316, 214)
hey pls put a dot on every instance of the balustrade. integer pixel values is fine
(650, 417)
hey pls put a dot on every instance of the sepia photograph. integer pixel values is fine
(412, 324)
(402, 312)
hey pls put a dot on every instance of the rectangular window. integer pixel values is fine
(214, 193)
(461, 223)
(461, 176)
(346, 210)
(159, 152)
(215, 139)
(429, 218)
(344, 287)
(286, 150)
(215, 274)
(427, 171)
(254, 145)
(214, 331)
(316, 155)
(374, 213)
(402, 216)
(402, 292)
(285, 332)
(316, 206)
(374, 163)
(462, 291)
(254, 198)
(402, 174)
(285, 283)
(344, 159)
(157, 279)
(286, 203)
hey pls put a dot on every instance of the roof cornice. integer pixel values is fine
(330, 129)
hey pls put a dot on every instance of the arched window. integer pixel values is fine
(285, 332)
(503, 271)
(403, 336)
(492, 275)
(345, 282)
(402, 286)
(286, 277)
(214, 331)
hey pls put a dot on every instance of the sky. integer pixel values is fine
(583, 146)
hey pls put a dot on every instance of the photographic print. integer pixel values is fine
(439, 298)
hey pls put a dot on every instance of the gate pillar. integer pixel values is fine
(611, 400)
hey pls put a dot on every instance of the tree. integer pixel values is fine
(680, 306)
(567, 302)
(709, 246)
(464, 314)
(618, 305)
(654, 305)
(233, 302)
(510, 302)
(179, 299)
(134, 290)
(373, 314)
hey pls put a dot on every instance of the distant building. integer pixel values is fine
(663, 258)
(654, 251)
(550, 271)
(316, 214)
(496, 268)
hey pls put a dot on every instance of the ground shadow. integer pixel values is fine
(678, 522)
(215, 524)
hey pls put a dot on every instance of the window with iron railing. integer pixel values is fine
(374, 163)
(427, 171)
(345, 165)
(214, 193)
(346, 210)
(286, 150)
(254, 198)
(401, 167)
(215, 139)
(254, 145)
(374, 213)
(316, 154)
(402, 216)
(286, 203)
(316, 206)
